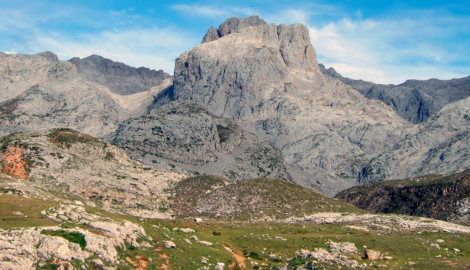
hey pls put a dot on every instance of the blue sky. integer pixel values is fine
(380, 41)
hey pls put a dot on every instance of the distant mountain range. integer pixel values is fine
(250, 101)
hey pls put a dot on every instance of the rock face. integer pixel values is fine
(37, 92)
(436, 196)
(183, 136)
(76, 164)
(118, 77)
(414, 100)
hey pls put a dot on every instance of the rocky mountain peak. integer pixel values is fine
(232, 25)
(49, 56)
(118, 77)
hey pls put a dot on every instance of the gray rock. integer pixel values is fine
(371, 255)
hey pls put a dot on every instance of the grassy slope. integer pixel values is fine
(248, 238)
(245, 200)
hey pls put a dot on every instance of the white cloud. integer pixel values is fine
(7, 52)
(386, 51)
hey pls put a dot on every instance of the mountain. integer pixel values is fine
(444, 197)
(250, 101)
(414, 100)
(39, 92)
(118, 77)
(264, 80)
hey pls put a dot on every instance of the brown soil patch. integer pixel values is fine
(60, 262)
(164, 255)
(451, 263)
(141, 265)
(14, 163)
(239, 258)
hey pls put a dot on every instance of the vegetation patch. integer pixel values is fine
(64, 137)
(73, 237)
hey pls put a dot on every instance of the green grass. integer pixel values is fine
(9, 204)
(250, 239)
(73, 237)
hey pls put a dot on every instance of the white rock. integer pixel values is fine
(205, 243)
(169, 244)
(97, 262)
(187, 230)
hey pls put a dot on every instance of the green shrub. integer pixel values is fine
(73, 237)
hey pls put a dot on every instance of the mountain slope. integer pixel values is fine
(38, 92)
(414, 100)
(118, 77)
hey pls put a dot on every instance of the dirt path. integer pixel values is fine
(239, 258)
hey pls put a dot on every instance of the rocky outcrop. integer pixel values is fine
(29, 248)
(118, 77)
(414, 100)
(435, 196)
(232, 25)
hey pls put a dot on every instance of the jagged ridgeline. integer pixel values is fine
(444, 197)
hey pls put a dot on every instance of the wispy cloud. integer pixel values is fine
(117, 12)
(213, 12)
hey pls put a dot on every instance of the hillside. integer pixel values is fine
(444, 197)
(255, 199)
(76, 166)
